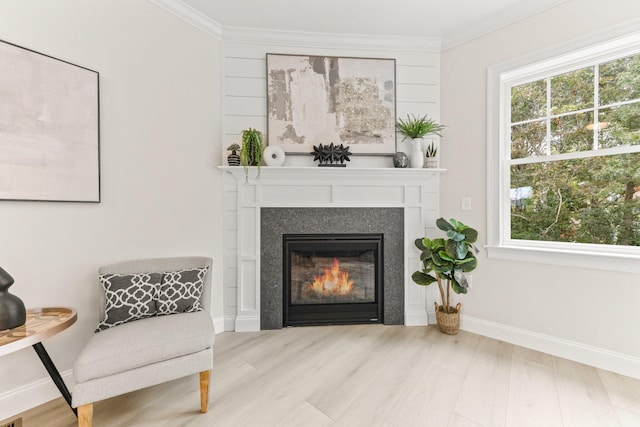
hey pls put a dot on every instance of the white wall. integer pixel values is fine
(245, 103)
(545, 306)
(160, 148)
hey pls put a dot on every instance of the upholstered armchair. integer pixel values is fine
(154, 327)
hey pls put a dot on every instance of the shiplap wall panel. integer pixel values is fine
(416, 74)
(416, 92)
(244, 104)
(245, 86)
(246, 67)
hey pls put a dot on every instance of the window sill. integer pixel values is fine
(570, 258)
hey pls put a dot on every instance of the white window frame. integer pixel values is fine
(534, 67)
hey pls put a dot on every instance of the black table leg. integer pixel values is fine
(54, 374)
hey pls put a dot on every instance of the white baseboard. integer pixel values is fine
(247, 324)
(230, 323)
(219, 325)
(578, 352)
(416, 319)
(29, 396)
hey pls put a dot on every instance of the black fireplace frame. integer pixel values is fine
(334, 313)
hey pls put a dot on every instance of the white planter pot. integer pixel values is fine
(417, 156)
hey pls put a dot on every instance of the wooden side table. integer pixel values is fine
(41, 323)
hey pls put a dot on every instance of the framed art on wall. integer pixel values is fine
(314, 100)
(49, 128)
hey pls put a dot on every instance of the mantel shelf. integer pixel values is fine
(331, 172)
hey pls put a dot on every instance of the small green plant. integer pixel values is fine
(233, 148)
(447, 259)
(431, 150)
(418, 127)
(251, 151)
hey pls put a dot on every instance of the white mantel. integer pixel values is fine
(414, 190)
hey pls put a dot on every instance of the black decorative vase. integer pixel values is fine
(233, 159)
(12, 311)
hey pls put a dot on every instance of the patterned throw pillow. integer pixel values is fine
(128, 297)
(180, 291)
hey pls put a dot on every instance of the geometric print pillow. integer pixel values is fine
(180, 291)
(128, 297)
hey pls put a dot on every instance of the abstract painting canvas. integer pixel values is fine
(49, 128)
(314, 100)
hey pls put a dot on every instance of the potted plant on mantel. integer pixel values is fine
(448, 259)
(251, 151)
(416, 128)
(430, 153)
(233, 159)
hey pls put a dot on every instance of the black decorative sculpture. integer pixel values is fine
(330, 155)
(12, 311)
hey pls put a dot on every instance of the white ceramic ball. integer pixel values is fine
(273, 155)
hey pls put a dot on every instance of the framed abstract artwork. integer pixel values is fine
(314, 100)
(49, 128)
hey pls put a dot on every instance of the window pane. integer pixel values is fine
(619, 126)
(592, 200)
(620, 80)
(528, 140)
(572, 91)
(570, 133)
(528, 101)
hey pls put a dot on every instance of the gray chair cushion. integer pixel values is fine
(144, 342)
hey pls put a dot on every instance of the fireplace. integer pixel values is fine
(332, 279)
(275, 223)
(398, 203)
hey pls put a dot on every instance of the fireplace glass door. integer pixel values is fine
(332, 279)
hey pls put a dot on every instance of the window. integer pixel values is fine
(566, 151)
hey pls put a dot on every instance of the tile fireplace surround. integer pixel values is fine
(413, 191)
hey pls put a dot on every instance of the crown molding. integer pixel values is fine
(330, 40)
(499, 20)
(352, 41)
(296, 38)
(191, 16)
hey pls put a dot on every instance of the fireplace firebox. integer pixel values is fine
(332, 279)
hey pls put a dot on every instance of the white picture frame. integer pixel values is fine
(314, 100)
(49, 128)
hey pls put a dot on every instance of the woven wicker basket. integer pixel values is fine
(449, 323)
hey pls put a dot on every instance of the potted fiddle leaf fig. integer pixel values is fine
(251, 151)
(448, 259)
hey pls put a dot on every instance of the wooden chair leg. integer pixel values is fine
(85, 415)
(204, 390)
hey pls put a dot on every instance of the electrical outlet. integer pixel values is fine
(465, 203)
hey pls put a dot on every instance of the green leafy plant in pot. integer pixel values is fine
(448, 259)
(251, 151)
(430, 154)
(416, 128)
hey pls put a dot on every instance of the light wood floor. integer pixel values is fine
(374, 375)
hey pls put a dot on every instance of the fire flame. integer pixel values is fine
(333, 281)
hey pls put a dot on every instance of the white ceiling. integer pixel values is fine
(452, 21)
